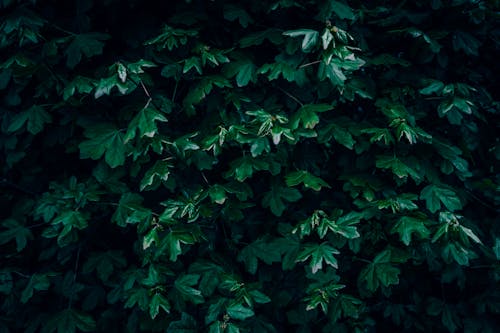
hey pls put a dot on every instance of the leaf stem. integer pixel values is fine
(310, 63)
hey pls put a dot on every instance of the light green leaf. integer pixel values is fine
(327, 38)
(158, 173)
(310, 37)
(239, 312)
(342, 10)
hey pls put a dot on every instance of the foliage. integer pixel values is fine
(246, 166)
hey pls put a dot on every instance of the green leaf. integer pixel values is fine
(466, 42)
(433, 86)
(379, 272)
(193, 62)
(186, 324)
(80, 84)
(15, 231)
(6, 282)
(338, 133)
(496, 248)
(307, 115)
(317, 254)
(304, 177)
(397, 166)
(275, 198)
(158, 173)
(233, 13)
(35, 117)
(342, 10)
(88, 44)
(327, 38)
(158, 302)
(36, 282)
(145, 123)
(407, 225)
(107, 140)
(259, 249)
(434, 195)
(310, 37)
(333, 72)
(184, 285)
(245, 73)
(239, 312)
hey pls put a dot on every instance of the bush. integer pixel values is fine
(215, 166)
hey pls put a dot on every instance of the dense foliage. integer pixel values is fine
(249, 166)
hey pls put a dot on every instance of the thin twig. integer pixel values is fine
(291, 96)
(310, 63)
(175, 90)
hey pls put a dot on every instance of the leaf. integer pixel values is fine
(259, 249)
(186, 324)
(466, 42)
(88, 44)
(434, 195)
(310, 37)
(122, 72)
(406, 226)
(36, 282)
(158, 302)
(158, 173)
(233, 13)
(496, 248)
(35, 118)
(275, 197)
(333, 72)
(327, 38)
(397, 166)
(15, 231)
(6, 282)
(307, 115)
(245, 73)
(338, 133)
(145, 123)
(304, 177)
(317, 254)
(184, 285)
(239, 312)
(342, 10)
(104, 139)
(379, 272)
(433, 86)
